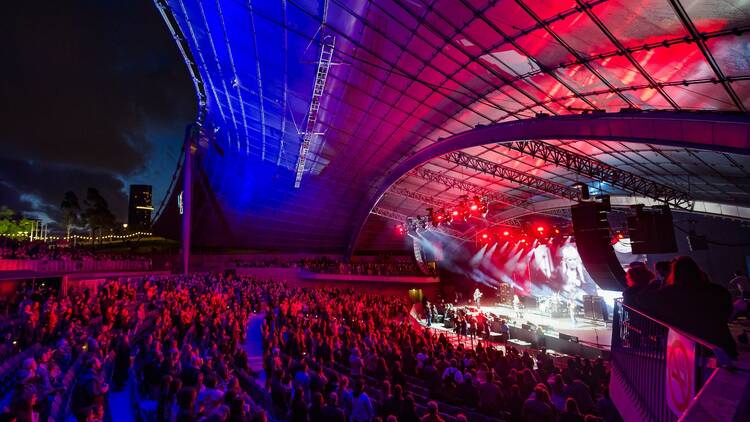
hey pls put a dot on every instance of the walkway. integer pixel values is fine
(254, 347)
(121, 405)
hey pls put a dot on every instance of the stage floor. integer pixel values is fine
(590, 332)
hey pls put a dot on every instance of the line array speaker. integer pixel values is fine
(591, 231)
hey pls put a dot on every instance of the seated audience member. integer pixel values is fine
(693, 304)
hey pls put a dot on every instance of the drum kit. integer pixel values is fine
(554, 306)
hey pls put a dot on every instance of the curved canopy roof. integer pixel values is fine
(406, 74)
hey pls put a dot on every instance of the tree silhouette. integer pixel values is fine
(71, 211)
(97, 215)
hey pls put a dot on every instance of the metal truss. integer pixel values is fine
(389, 214)
(451, 182)
(418, 196)
(402, 218)
(601, 171)
(324, 63)
(503, 172)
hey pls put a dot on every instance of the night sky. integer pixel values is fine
(92, 94)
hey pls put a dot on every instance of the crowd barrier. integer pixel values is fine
(657, 370)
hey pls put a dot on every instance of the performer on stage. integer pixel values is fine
(572, 271)
(517, 306)
(477, 298)
(572, 310)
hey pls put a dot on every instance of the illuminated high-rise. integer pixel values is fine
(140, 208)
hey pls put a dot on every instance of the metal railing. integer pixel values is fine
(639, 360)
(74, 265)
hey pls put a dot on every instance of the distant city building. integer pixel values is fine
(140, 208)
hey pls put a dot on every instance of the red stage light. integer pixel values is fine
(474, 207)
(620, 236)
(540, 229)
(557, 231)
(506, 233)
(455, 212)
(484, 236)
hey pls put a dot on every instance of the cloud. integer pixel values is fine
(38, 188)
(83, 88)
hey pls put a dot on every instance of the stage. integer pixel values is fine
(586, 337)
(588, 331)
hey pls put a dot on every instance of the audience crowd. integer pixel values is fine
(329, 354)
(178, 343)
(378, 266)
(59, 250)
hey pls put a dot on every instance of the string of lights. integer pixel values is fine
(81, 237)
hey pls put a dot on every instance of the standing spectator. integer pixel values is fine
(432, 414)
(89, 389)
(490, 396)
(662, 269)
(638, 278)
(362, 410)
(316, 408)
(692, 303)
(538, 407)
(331, 412)
(571, 413)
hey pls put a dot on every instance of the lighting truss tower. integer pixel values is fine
(503, 172)
(597, 170)
(324, 64)
(451, 182)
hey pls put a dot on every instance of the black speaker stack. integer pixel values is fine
(593, 240)
(697, 242)
(505, 294)
(651, 230)
(594, 308)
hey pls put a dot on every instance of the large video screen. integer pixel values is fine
(539, 268)
(548, 269)
(536, 269)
